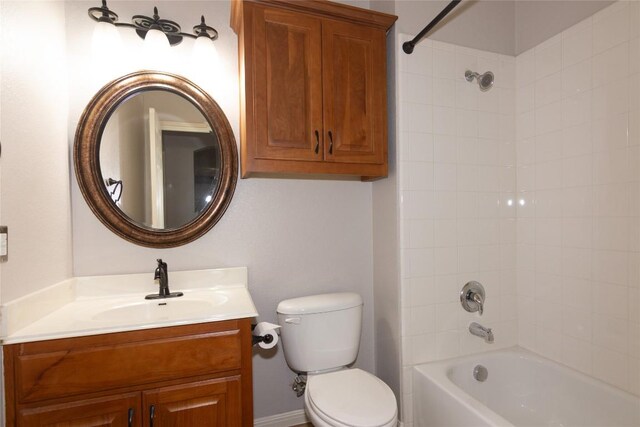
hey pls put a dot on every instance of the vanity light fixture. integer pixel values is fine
(114, 187)
(153, 26)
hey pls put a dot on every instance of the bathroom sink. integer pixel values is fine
(163, 309)
(108, 304)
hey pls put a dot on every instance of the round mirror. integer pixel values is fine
(155, 159)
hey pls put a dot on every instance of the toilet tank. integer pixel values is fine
(320, 332)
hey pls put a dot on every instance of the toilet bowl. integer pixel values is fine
(350, 397)
(320, 338)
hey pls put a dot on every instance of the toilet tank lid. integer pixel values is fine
(320, 303)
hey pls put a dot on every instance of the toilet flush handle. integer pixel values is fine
(292, 320)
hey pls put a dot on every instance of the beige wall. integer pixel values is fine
(386, 269)
(35, 150)
(297, 237)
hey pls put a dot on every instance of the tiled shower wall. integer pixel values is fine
(457, 164)
(531, 188)
(578, 157)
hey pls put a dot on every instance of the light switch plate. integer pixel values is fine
(4, 243)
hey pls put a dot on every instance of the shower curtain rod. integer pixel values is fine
(410, 45)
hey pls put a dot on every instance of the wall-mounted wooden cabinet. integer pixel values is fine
(195, 375)
(313, 88)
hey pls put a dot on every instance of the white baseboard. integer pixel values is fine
(287, 419)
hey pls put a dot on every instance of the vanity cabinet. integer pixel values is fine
(313, 88)
(175, 376)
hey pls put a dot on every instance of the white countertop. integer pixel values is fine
(105, 304)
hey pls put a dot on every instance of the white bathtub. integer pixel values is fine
(522, 389)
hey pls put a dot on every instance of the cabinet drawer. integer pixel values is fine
(113, 411)
(83, 365)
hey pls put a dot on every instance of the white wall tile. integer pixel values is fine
(467, 94)
(467, 123)
(576, 141)
(576, 78)
(576, 110)
(549, 146)
(548, 89)
(467, 150)
(548, 57)
(445, 149)
(560, 133)
(525, 99)
(417, 88)
(610, 26)
(610, 366)
(417, 118)
(612, 98)
(421, 61)
(610, 65)
(577, 354)
(577, 43)
(444, 64)
(548, 118)
(525, 68)
(592, 148)
(444, 92)
(610, 132)
(444, 120)
(634, 55)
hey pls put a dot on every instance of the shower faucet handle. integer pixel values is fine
(472, 297)
(479, 300)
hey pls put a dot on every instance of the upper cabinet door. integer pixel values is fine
(288, 85)
(354, 78)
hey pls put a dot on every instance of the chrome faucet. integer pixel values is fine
(162, 276)
(482, 332)
(472, 297)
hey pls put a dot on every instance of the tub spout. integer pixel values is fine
(482, 332)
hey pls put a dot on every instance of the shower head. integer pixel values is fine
(485, 81)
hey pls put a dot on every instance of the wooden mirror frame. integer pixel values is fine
(86, 158)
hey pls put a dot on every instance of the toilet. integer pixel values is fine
(320, 337)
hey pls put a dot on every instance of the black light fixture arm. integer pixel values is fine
(411, 44)
(142, 24)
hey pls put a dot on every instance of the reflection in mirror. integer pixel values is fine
(160, 160)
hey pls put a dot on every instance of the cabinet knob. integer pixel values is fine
(317, 142)
(330, 143)
(130, 417)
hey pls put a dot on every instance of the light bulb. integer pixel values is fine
(105, 40)
(156, 40)
(205, 52)
(156, 49)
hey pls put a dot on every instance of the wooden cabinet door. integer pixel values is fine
(112, 411)
(288, 85)
(354, 79)
(211, 403)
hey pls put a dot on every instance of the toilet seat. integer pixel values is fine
(350, 398)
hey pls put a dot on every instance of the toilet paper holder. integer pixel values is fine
(266, 338)
(264, 334)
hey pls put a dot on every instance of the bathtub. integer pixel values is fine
(521, 389)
